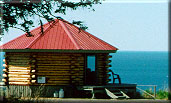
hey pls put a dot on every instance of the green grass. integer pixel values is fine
(161, 94)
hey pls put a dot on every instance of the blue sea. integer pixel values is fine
(138, 67)
(142, 68)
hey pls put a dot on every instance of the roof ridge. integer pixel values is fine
(69, 34)
(90, 35)
(38, 37)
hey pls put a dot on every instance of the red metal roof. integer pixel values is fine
(60, 35)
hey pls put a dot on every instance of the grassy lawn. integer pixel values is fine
(161, 94)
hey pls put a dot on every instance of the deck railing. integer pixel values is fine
(154, 88)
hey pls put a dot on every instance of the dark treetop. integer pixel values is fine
(25, 11)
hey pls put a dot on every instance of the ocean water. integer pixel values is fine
(1, 64)
(141, 68)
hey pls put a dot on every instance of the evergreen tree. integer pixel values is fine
(26, 10)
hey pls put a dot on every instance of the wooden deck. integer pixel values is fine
(111, 86)
(128, 89)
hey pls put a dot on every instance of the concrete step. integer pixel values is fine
(118, 94)
(121, 97)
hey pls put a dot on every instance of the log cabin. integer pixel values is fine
(62, 56)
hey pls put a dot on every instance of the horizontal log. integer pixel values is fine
(58, 69)
(33, 71)
(20, 76)
(106, 66)
(19, 73)
(4, 65)
(22, 83)
(12, 59)
(18, 56)
(18, 70)
(39, 64)
(46, 56)
(10, 78)
(4, 70)
(59, 66)
(67, 82)
(50, 84)
(17, 64)
(18, 67)
(17, 53)
(23, 66)
(56, 62)
(25, 70)
(102, 54)
(58, 72)
(109, 56)
(33, 81)
(77, 66)
(33, 76)
(18, 80)
(4, 60)
(109, 61)
(5, 55)
(24, 59)
(77, 79)
(53, 59)
(101, 57)
(4, 75)
(50, 74)
(59, 76)
(51, 66)
(77, 82)
(58, 54)
(4, 80)
(104, 61)
(65, 64)
(54, 74)
(59, 62)
(58, 59)
(19, 60)
(59, 79)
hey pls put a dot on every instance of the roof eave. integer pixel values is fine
(57, 50)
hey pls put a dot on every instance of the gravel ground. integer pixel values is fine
(57, 100)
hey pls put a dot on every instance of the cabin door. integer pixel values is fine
(90, 71)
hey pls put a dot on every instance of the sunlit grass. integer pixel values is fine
(161, 94)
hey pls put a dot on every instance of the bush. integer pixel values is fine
(145, 95)
(162, 94)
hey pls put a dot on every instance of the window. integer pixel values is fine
(41, 79)
(91, 62)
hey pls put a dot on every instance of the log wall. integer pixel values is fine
(60, 69)
(102, 61)
(17, 69)
(57, 68)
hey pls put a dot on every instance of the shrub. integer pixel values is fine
(162, 94)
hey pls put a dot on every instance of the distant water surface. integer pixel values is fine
(142, 68)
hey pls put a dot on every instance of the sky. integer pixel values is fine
(129, 25)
